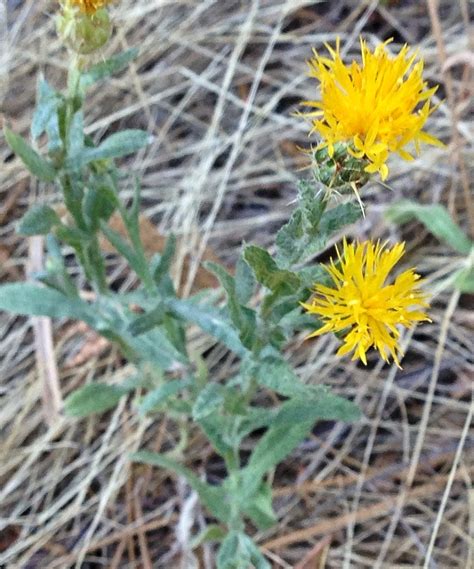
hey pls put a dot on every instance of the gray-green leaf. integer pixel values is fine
(213, 497)
(208, 319)
(147, 321)
(37, 165)
(107, 68)
(267, 272)
(75, 140)
(244, 281)
(260, 509)
(238, 551)
(212, 532)
(45, 117)
(274, 373)
(320, 405)
(208, 401)
(39, 220)
(292, 424)
(115, 146)
(160, 395)
(437, 221)
(93, 398)
(30, 299)
(243, 318)
(464, 280)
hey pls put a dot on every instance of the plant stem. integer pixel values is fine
(89, 251)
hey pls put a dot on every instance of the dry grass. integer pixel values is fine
(216, 83)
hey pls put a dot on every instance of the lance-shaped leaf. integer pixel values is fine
(208, 401)
(244, 281)
(163, 265)
(267, 272)
(215, 427)
(310, 227)
(155, 347)
(243, 318)
(29, 299)
(292, 424)
(437, 221)
(275, 373)
(338, 217)
(75, 140)
(238, 551)
(147, 321)
(134, 257)
(38, 166)
(213, 497)
(38, 220)
(100, 201)
(104, 69)
(45, 118)
(260, 509)
(208, 319)
(93, 398)
(115, 146)
(158, 396)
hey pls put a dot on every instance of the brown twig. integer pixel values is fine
(332, 525)
(142, 541)
(130, 530)
(316, 554)
(44, 348)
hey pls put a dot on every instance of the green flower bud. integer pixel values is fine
(84, 33)
(340, 170)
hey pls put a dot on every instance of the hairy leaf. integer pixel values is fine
(100, 202)
(243, 318)
(45, 118)
(31, 299)
(260, 509)
(147, 321)
(238, 551)
(164, 264)
(437, 221)
(208, 319)
(93, 398)
(38, 166)
(208, 401)
(160, 395)
(39, 220)
(267, 272)
(107, 68)
(115, 146)
(213, 497)
(244, 281)
(293, 423)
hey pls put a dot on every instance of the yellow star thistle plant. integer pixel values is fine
(366, 112)
(377, 107)
(363, 306)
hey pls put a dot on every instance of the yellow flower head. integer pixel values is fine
(377, 107)
(89, 6)
(362, 306)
